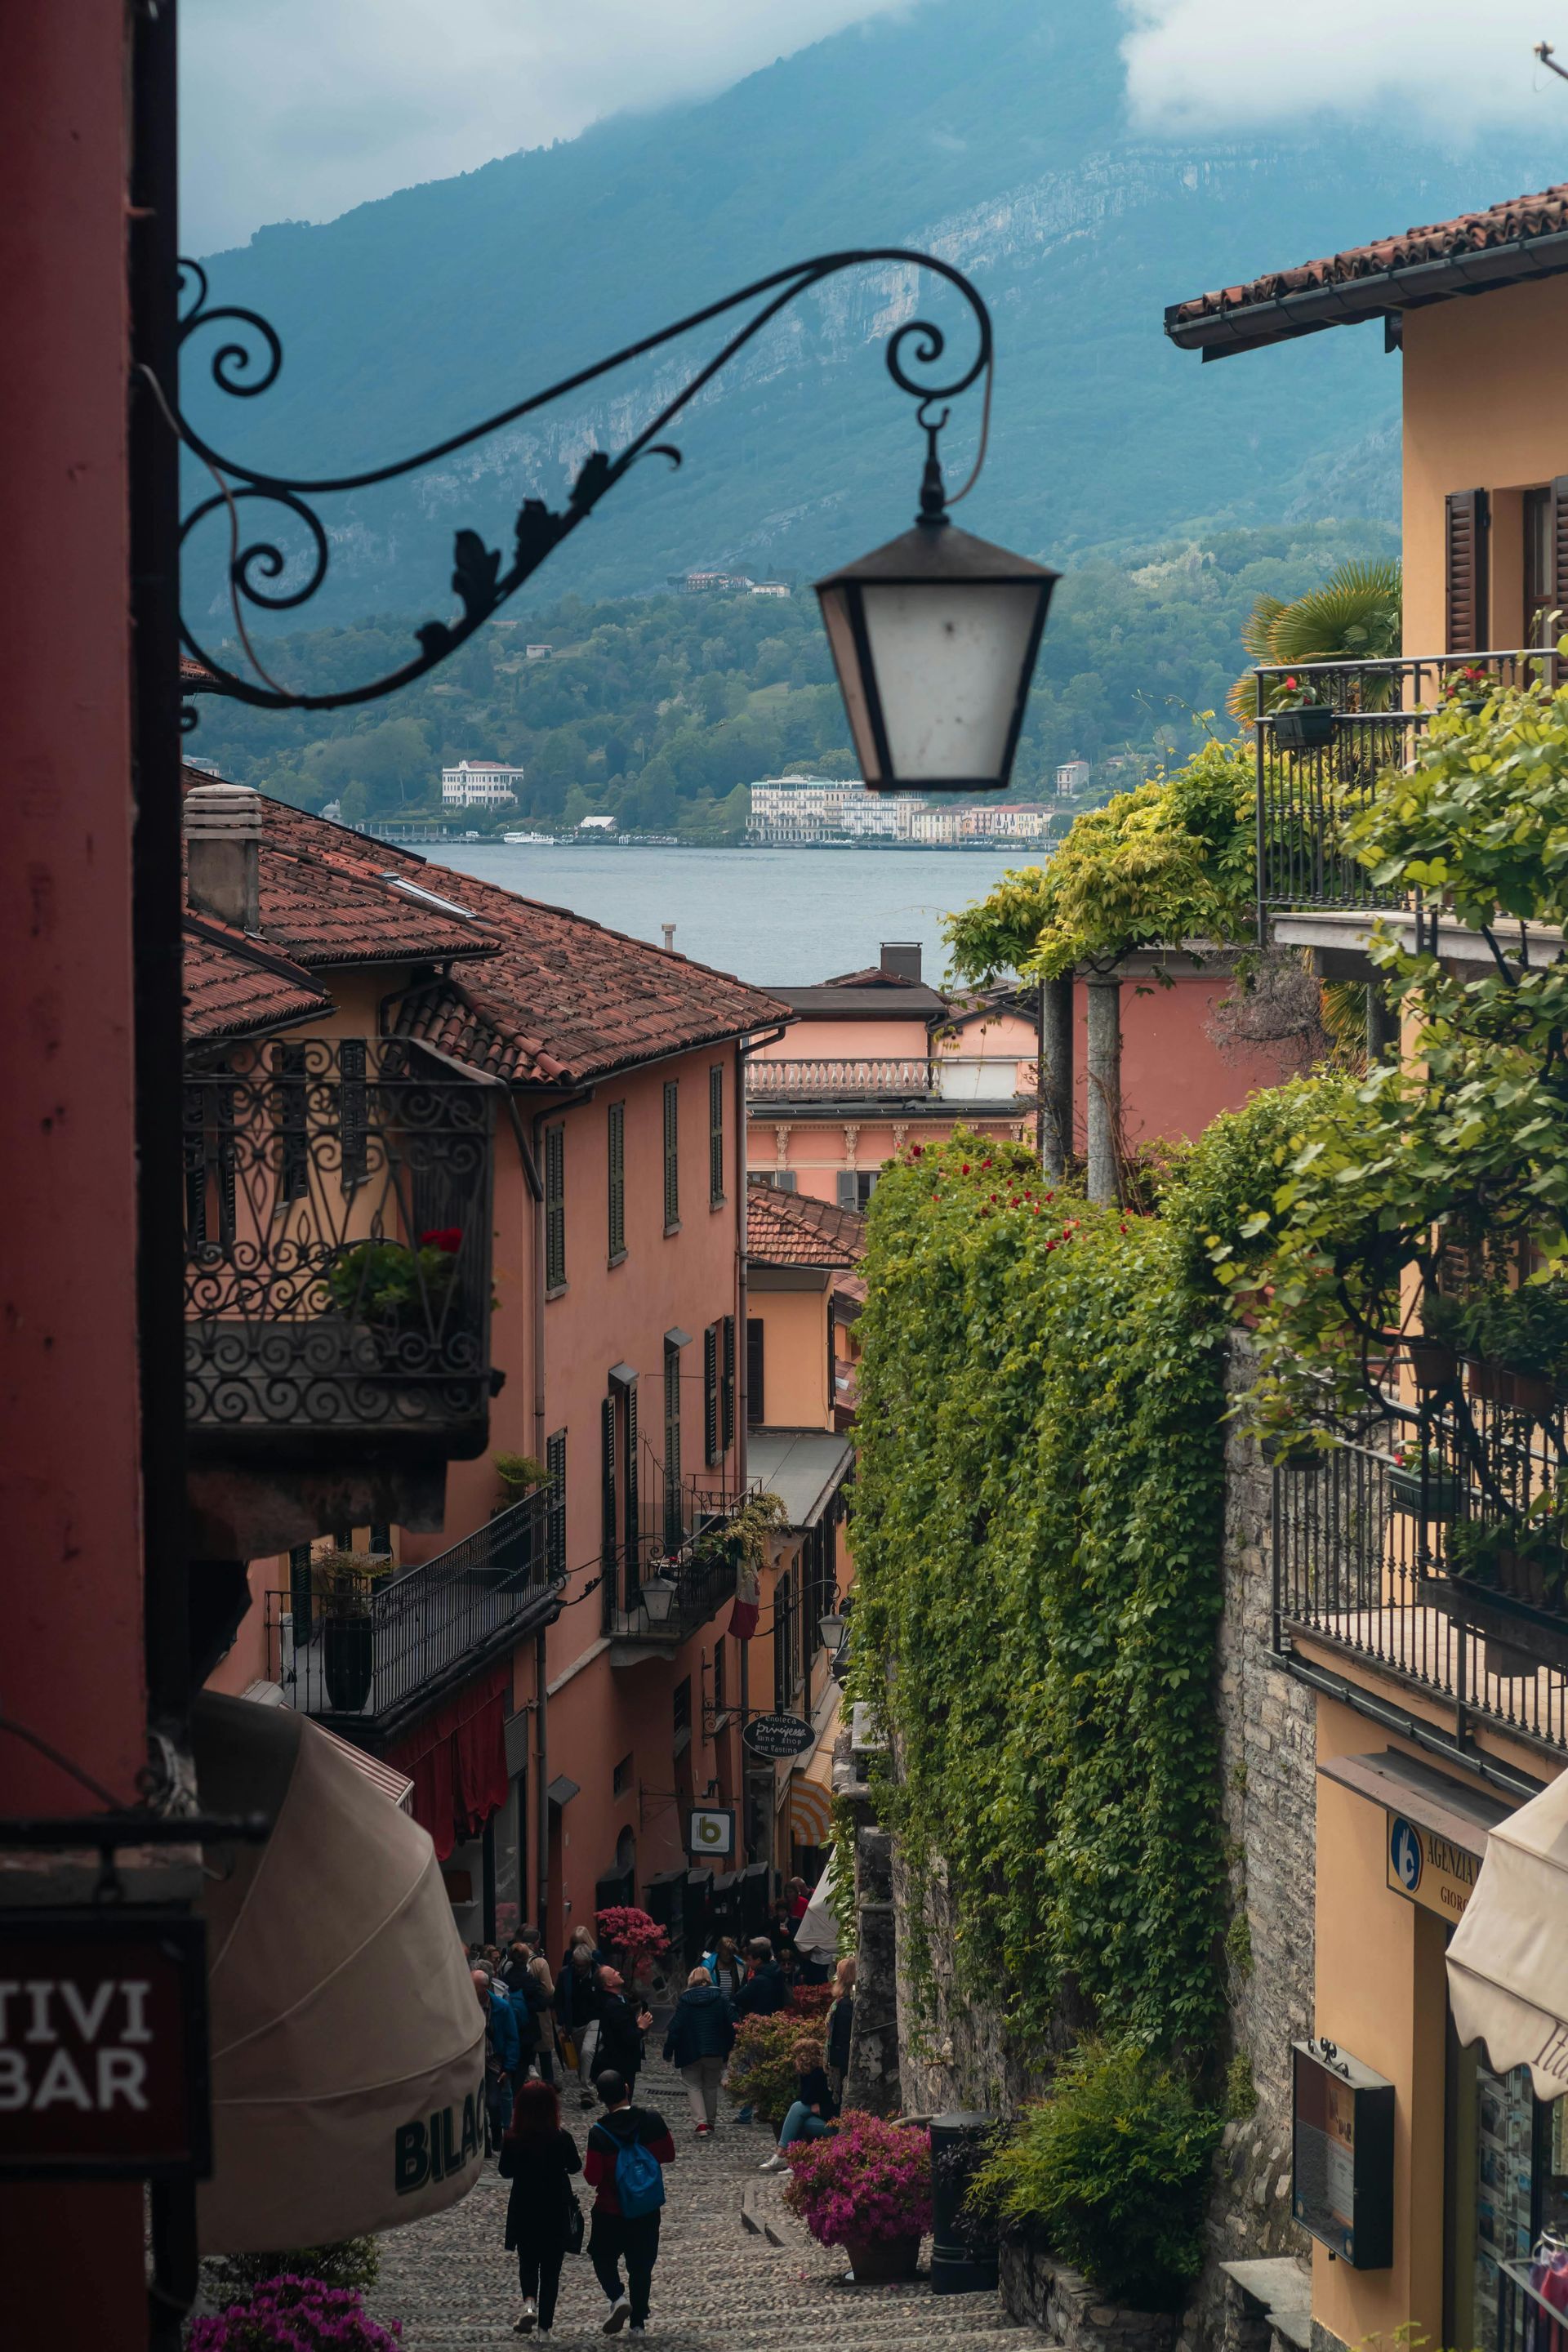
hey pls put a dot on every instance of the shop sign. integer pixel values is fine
(103, 2046)
(1429, 1869)
(710, 1831)
(779, 1735)
(1343, 2154)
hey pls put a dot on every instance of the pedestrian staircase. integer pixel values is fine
(736, 2272)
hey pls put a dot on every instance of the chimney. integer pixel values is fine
(902, 959)
(223, 854)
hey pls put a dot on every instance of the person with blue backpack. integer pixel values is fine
(628, 2147)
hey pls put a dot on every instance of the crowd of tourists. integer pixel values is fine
(543, 2030)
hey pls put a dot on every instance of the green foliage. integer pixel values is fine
(348, 2263)
(1036, 1537)
(1111, 2168)
(1354, 616)
(1240, 2090)
(1524, 1329)
(1171, 861)
(762, 2072)
(520, 1473)
(388, 1282)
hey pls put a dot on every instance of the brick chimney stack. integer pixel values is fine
(223, 854)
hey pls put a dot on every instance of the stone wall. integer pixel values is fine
(959, 2054)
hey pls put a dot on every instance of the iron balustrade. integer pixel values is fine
(337, 1244)
(1305, 797)
(1364, 1561)
(688, 1547)
(914, 1078)
(420, 1628)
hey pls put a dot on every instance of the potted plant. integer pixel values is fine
(294, 2314)
(865, 2187)
(344, 1582)
(518, 1475)
(1510, 1575)
(1437, 1496)
(635, 1937)
(1517, 1340)
(1468, 687)
(394, 1285)
(1433, 1350)
(1301, 723)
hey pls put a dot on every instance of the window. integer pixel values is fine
(554, 1208)
(607, 1497)
(710, 1449)
(721, 1678)
(353, 1121)
(555, 1507)
(300, 1593)
(727, 1387)
(674, 1530)
(622, 1778)
(210, 1153)
(681, 1704)
(754, 1400)
(618, 1140)
(381, 1538)
(787, 1179)
(856, 1186)
(671, 1154)
(716, 1136)
(293, 1113)
(784, 1641)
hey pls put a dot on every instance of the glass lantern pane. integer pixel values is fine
(846, 662)
(949, 659)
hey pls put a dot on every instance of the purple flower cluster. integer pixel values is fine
(295, 2315)
(870, 2181)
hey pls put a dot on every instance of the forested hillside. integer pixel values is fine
(655, 709)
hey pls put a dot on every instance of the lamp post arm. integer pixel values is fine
(478, 579)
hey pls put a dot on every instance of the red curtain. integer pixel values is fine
(457, 1761)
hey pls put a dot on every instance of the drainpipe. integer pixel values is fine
(1104, 1108)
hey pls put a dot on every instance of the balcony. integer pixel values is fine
(1432, 1569)
(916, 1081)
(689, 1549)
(422, 1630)
(337, 1254)
(1379, 711)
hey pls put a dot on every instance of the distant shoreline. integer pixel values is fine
(618, 841)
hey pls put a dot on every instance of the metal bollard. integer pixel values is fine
(964, 2253)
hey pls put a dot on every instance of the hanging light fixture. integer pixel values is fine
(934, 638)
(657, 1596)
(830, 1625)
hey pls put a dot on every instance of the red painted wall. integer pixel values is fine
(68, 1481)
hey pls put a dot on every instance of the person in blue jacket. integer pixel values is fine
(503, 2056)
(700, 2037)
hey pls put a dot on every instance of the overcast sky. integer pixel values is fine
(299, 108)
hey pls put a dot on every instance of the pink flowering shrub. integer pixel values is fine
(634, 1935)
(295, 2315)
(870, 2181)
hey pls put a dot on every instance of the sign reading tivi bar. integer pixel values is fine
(103, 2046)
(779, 1735)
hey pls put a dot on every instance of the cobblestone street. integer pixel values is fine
(722, 2285)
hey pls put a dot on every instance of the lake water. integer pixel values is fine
(793, 916)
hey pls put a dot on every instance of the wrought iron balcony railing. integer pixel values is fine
(1411, 1563)
(940, 1078)
(690, 1547)
(336, 1247)
(420, 1629)
(1367, 717)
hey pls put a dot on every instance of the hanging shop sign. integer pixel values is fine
(103, 2046)
(779, 1735)
(1343, 2154)
(1429, 1869)
(710, 1831)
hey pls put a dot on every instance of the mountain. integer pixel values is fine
(992, 132)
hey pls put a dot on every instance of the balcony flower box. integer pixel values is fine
(1441, 1501)
(1305, 729)
(1434, 1365)
(1534, 1393)
(1292, 1454)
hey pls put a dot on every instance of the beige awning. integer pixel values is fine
(1508, 1959)
(347, 2044)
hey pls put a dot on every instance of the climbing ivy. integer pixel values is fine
(1037, 1535)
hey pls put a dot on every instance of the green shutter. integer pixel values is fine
(710, 1395)
(671, 1152)
(555, 1508)
(727, 1387)
(555, 1207)
(716, 1134)
(617, 1232)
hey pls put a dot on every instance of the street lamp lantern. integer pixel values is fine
(934, 638)
(658, 1599)
(831, 1625)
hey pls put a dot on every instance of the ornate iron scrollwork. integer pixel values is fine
(247, 363)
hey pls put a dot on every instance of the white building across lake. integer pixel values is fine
(479, 783)
(806, 809)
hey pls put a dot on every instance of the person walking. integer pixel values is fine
(840, 2023)
(725, 1967)
(503, 2057)
(577, 2011)
(812, 2112)
(543, 2219)
(627, 2148)
(540, 1992)
(621, 2028)
(764, 1992)
(700, 2037)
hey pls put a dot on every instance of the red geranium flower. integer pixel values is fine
(443, 1237)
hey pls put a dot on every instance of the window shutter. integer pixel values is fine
(754, 1327)
(618, 1158)
(630, 1483)
(727, 1390)
(293, 1122)
(671, 1152)
(716, 1134)
(1559, 575)
(555, 1508)
(674, 1527)
(1467, 601)
(352, 1112)
(710, 1394)
(847, 1191)
(607, 1502)
(555, 1207)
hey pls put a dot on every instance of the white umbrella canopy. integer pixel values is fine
(1508, 1959)
(347, 2044)
(817, 1934)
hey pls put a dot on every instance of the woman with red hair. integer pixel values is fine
(543, 2219)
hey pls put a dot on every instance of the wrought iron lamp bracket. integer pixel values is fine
(246, 368)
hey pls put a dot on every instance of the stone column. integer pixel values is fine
(1056, 1074)
(1104, 1110)
(872, 2079)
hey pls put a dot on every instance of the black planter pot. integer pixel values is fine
(1442, 1499)
(348, 1662)
(1307, 729)
(963, 2255)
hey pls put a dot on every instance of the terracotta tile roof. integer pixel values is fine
(1525, 236)
(791, 1229)
(873, 976)
(232, 988)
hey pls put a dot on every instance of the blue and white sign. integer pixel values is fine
(1404, 1854)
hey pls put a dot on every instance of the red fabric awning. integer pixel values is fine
(457, 1761)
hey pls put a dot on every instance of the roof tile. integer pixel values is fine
(793, 1229)
(230, 991)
